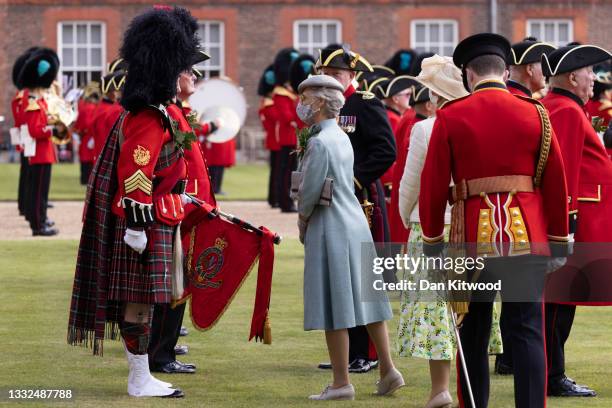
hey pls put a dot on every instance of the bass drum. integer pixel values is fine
(220, 98)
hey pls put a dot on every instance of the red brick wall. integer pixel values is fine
(256, 29)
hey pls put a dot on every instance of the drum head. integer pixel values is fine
(230, 123)
(217, 92)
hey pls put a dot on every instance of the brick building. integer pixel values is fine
(242, 36)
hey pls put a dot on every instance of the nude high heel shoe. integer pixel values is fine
(441, 400)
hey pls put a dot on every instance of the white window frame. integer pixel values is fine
(556, 22)
(310, 45)
(206, 66)
(427, 44)
(87, 68)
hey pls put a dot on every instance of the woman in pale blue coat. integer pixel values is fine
(338, 291)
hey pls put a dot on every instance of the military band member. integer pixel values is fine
(589, 181)
(364, 120)
(267, 116)
(37, 75)
(108, 110)
(86, 107)
(493, 162)
(125, 262)
(18, 105)
(526, 78)
(285, 102)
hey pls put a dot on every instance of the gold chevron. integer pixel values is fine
(138, 181)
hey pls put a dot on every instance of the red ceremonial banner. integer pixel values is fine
(219, 256)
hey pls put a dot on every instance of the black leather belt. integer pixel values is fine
(179, 187)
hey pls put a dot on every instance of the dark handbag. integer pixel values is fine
(327, 191)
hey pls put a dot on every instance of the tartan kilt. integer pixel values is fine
(145, 278)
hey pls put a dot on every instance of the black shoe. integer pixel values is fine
(180, 350)
(188, 365)
(359, 365)
(502, 369)
(49, 223)
(289, 210)
(178, 393)
(50, 205)
(373, 364)
(174, 367)
(567, 388)
(45, 232)
(183, 331)
(325, 366)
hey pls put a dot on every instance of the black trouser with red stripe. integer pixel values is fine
(24, 174)
(287, 164)
(273, 179)
(525, 332)
(38, 195)
(559, 320)
(165, 331)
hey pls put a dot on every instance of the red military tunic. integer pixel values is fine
(198, 179)
(104, 117)
(17, 108)
(269, 121)
(220, 154)
(587, 166)
(487, 134)
(83, 127)
(399, 233)
(285, 103)
(145, 135)
(35, 116)
(601, 108)
(394, 119)
(518, 89)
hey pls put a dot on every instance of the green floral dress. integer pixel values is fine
(425, 327)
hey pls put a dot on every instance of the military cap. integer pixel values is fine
(528, 51)
(418, 61)
(366, 79)
(267, 81)
(199, 57)
(572, 57)
(282, 63)
(420, 94)
(480, 44)
(39, 69)
(393, 86)
(342, 58)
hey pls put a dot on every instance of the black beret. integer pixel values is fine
(342, 58)
(528, 51)
(480, 44)
(572, 57)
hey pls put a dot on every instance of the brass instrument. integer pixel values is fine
(60, 114)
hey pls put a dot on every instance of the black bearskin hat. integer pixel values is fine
(282, 63)
(267, 81)
(19, 65)
(39, 69)
(418, 60)
(300, 69)
(402, 62)
(157, 46)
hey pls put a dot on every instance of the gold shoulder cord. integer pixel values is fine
(545, 144)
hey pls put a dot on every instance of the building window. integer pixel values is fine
(437, 36)
(82, 52)
(553, 31)
(309, 36)
(212, 41)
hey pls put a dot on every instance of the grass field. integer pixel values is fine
(241, 182)
(36, 280)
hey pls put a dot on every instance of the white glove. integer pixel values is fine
(185, 199)
(555, 263)
(201, 139)
(137, 240)
(90, 144)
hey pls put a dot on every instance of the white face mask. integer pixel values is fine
(305, 113)
(433, 98)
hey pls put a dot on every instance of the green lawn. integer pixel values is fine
(241, 182)
(36, 279)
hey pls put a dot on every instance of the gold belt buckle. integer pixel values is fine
(368, 209)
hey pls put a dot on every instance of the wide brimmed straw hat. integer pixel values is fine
(442, 76)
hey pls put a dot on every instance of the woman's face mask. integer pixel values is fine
(305, 113)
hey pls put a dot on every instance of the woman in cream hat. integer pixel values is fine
(425, 327)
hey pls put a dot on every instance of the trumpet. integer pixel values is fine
(60, 113)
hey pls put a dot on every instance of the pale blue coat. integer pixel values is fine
(337, 294)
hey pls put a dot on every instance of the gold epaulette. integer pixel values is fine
(366, 95)
(282, 91)
(19, 95)
(32, 105)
